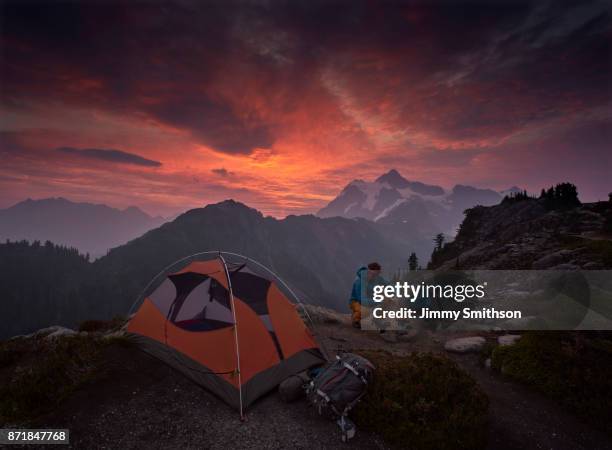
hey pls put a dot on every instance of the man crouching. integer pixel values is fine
(363, 288)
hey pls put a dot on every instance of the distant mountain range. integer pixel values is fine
(317, 257)
(408, 212)
(421, 208)
(93, 229)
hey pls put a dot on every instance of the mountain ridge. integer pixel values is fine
(92, 228)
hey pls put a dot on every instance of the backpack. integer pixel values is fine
(338, 387)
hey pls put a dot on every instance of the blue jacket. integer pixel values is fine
(363, 289)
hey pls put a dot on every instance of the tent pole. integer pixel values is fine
(231, 294)
(303, 306)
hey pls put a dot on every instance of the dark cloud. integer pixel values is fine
(228, 73)
(111, 155)
(214, 124)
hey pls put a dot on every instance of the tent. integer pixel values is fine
(224, 321)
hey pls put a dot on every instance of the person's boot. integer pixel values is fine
(357, 325)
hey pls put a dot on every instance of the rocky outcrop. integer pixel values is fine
(528, 235)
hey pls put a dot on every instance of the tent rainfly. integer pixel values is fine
(228, 328)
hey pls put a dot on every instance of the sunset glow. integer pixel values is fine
(281, 106)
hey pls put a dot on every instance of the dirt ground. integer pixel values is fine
(142, 403)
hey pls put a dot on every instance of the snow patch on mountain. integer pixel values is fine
(387, 210)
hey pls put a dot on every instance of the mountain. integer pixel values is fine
(422, 210)
(530, 234)
(317, 257)
(91, 228)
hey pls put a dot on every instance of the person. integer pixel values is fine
(363, 287)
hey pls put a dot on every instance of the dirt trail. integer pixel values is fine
(142, 403)
(520, 418)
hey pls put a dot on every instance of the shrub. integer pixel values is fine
(572, 368)
(423, 401)
(36, 379)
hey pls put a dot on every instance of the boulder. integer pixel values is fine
(61, 332)
(46, 331)
(465, 345)
(508, 339)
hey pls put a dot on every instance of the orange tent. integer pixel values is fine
(227, 327)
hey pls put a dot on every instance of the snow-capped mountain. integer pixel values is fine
(393, 200)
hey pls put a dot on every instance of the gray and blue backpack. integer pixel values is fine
(338, 387)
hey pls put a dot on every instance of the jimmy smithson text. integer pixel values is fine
(426, 313)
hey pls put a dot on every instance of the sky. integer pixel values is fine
(280, 104)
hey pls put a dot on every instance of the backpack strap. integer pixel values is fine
(355, 372)
(324, 395)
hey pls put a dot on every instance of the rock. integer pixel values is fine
(45, 331)
(61, 332)
(407, 336)
(114, 334)
(465, 345)
(508, 339)
(592, 266)
(551, 259)
(389, 336)
(19, 336)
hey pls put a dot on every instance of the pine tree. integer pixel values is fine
(439, 241)
(413, 261)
